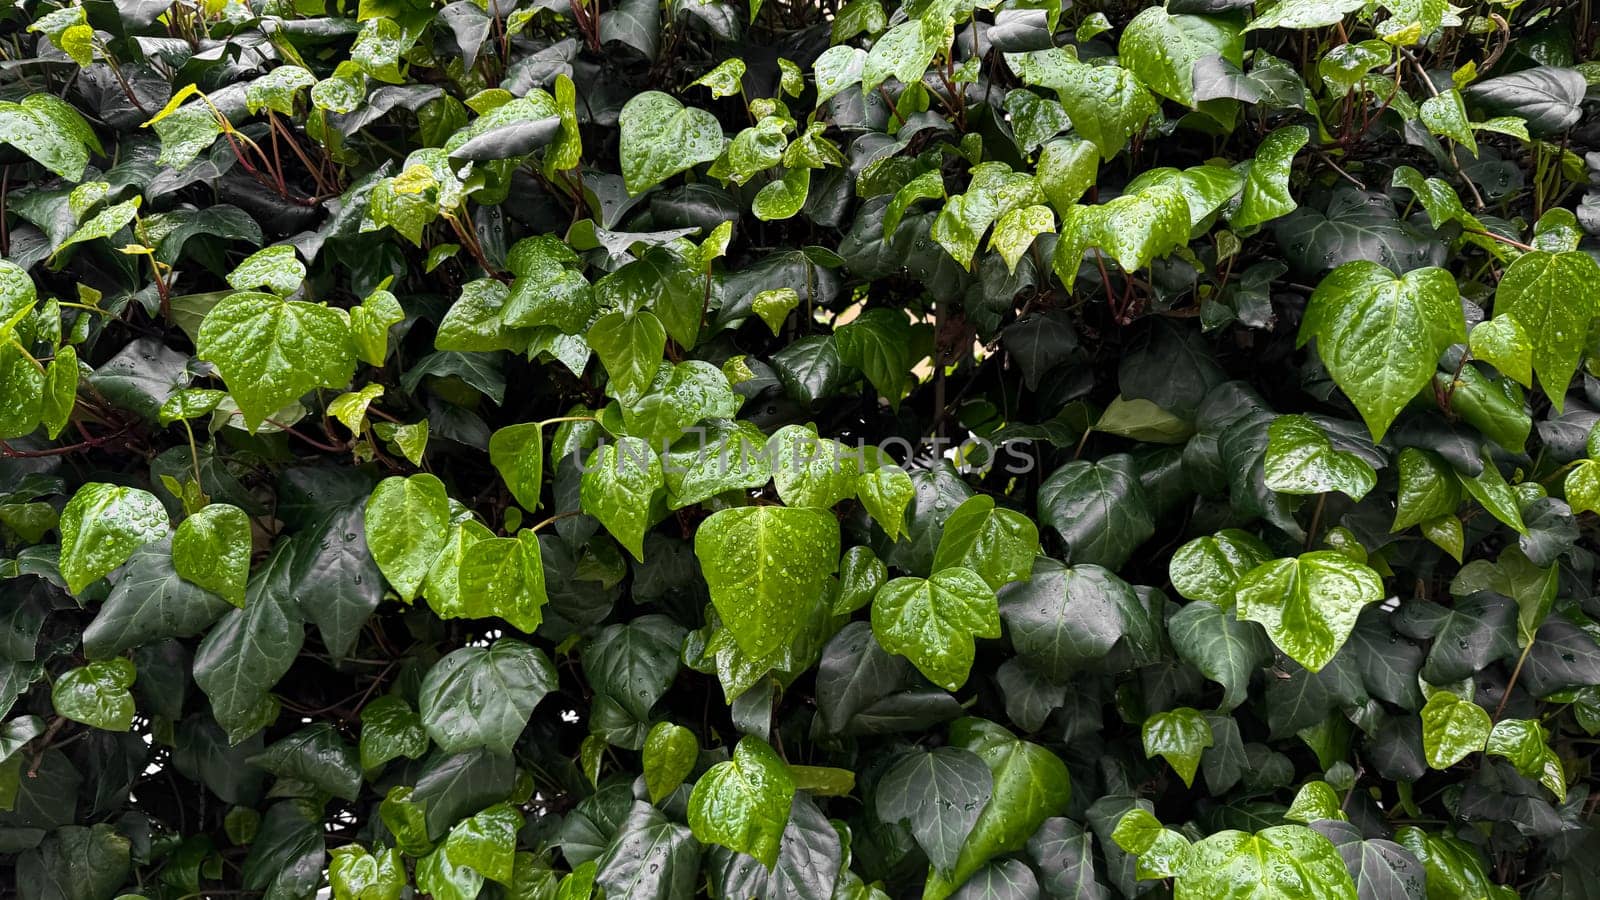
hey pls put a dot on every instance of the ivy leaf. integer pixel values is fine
(1132, 229)
(1428, 488)
(1524, 742)
(49, 131)
(1063, 620)
(1179, 736)
(1446, 116)
(630, 347)
(316, 755)
(932, 621)
(1224, 649)
(724, 456)
(1266, 188)
(1554, 297)
(1301, 460)
(762, 565)
(998, 544)
(1284, 860)
(102, 525)
(670, 753)
(1452, 729)
(275, 268)
(390, 729)
(97, 694)
(651, 856)
(483, 696)
(618, 486)
(503, 577)
(1162, 49)
(1099, 509)
(147, 604)
(1308, 605)
(938, 794)
(1107, 104)
(1502, 343)
(878, 343)
(904, 52)
(1381, 336)
(248, 650)
(355, 874)
(661, 137)
(743, 803)
(212, 549)
(808, 470)
(271, 351)
(104, 223)
(1030, 785)
(517, 452)
(1304, 14)
(1162, 851)
(837, 68)
(406, 525)
(1208, 568)
(885, 490)
(1380, 868)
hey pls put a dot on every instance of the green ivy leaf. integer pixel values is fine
(1281, 861)
(1428, 488)
(764, 564)
(517, 452)
(1178, 736)
(1554, 297)
(102, 525)
(390, 729)
(97, 694)
(1132, 229)
(1209, 568)
(618, 486)
(355, 874)
(1162, 49)
(1308, 605)
(878, 343)
(661, 137)
(503, 577)
(483, 696)
(48, 130)
(1446, 116)
(670, 753)
(1502, 343)
(743, 803)
(630, 347)
(808, 470)
(1452, 729)
(1381, 336)
(1300, 459)
(997, 544)
(212, 549)
(406, 529)
(885, 490)
(1266, 188)
(275, 268)
(932, 621)
(272, 351)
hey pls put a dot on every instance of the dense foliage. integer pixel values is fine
(999, 449)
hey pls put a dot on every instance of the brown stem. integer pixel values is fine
(10, 452)
(1515, 673)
